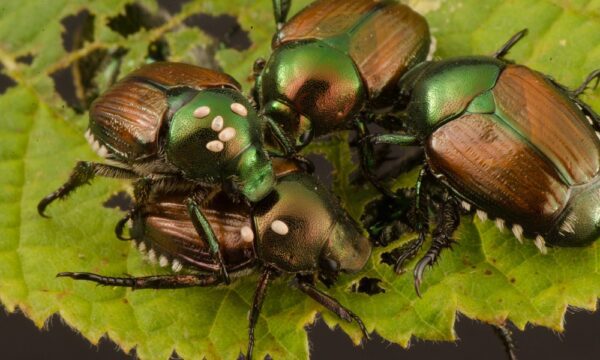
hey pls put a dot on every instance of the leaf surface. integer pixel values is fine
(489, 276)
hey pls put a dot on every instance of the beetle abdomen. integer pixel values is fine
(128, 117)
(383, 38)
(165, 227)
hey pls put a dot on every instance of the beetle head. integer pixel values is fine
(254, 174)
(346, 249)
(302, 228)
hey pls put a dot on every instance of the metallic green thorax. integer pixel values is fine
(310, 86)
(443, 90)
(239, 159)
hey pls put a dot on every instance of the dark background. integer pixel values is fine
(20, 339)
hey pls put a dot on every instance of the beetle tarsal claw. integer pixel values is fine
(541, 244)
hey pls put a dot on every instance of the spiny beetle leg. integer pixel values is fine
(205, 231)
(510, 43)
(442, 238)
(407, 252)
(594, 75)
(505, 335)
(330, 304)
(82, 174)
(147, 282)
(121, 226)
(257, 303)
(421, 221)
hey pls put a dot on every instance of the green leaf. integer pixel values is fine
(489, 276)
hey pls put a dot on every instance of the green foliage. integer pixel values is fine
(489, 276)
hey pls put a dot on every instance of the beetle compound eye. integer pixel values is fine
(239, 109)
(328, 264)
(217, 123)
(279, 227)
(201, 112)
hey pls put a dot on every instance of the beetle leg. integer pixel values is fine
(147, 282)
(121, 226)
(365, 147)
(205, 231)
(281, 8)
(394, 139)
(367, 158)
(505, 335)
(330, 304)
(82, 174)
(409, 250)
(280, 137)
(594, 75)
(257, 303)
(289, 151)
(442, 238)
(510, 43)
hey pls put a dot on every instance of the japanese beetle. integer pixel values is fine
(506, 141)
(332, 61)
(176, 124)
(299, 228)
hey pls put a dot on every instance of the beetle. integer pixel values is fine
(506, 141)
(180, 125)
(333, 63)
(299, 228)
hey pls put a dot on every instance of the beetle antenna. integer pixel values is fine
(510, 43)
(594, 75)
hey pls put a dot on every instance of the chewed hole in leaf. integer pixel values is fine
(388, 258)
(225, 28)
(172, 6)
(77, 29)
(26, 59)
(6, 82)
(135, 18)
(323, 169)
(158, 50)
(367, 285)
(65, 87)
(120, 200)
(76, 85)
